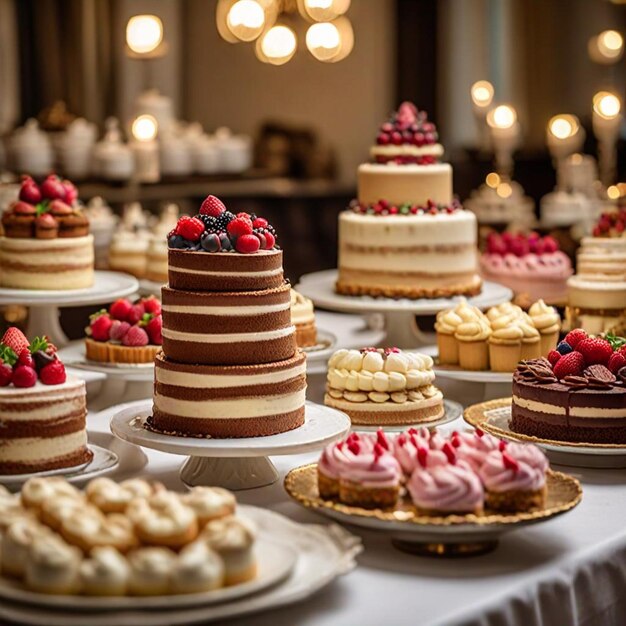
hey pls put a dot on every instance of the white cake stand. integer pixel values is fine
(232, 463)
(402, 330)
(44, 304)
(150, 287)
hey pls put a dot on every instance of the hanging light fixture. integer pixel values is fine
(245, 19)
(323, 10)
(144, 36)
(277, 45)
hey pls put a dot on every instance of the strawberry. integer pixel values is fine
(260, 222)
(151, 305)
(595, 350)
(29, 192)
(617, 361)
(59, 207)
(270, 240)
(26, 358)
(136, 336)
(240, 226)
(53, 374)
(569, 364)
(100, 327)
(24, 376)
(23, 208)
(212, 206)
(15, 339)
(136, 313)
(154, 329)
(71, 193)
(120, 309)
(52, 188)
(190, 228)
(118, 330)
(6, 374)
(247, 244)
(574, 337)
(554, 356)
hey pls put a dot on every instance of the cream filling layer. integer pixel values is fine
(33, 449)
(184, 270)
(576, 411)
(212, 381)
(227, 310)
(53, 410)
(178, 335)
(539, 407)
(231, 408)
(373, 407)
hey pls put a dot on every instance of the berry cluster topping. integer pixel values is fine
(22, 363)
(581, 361)
(520, 244)
(385, 352)
(383, 207)
(611, 224)
(128, 323)
(215, 229)
(45, 211)
(408, 126)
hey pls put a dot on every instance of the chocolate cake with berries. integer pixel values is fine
(230, 366)
(42, 410)
(577, 394)
(405, 235)
(46, 242)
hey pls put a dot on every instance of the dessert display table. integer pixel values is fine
(232, 463)
(43, 315)
(401, 328)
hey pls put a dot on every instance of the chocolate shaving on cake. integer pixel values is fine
(575, 382)
(537, 370)
(599, 377)
(621, 375)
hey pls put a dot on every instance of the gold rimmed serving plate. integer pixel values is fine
(443, 536)
(494, 417)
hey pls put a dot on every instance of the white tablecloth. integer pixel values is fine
(570, 570)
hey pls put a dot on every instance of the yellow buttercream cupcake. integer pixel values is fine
(505, 342)
(547, 321)
(473, 334)
(446, 325)
(531, 341)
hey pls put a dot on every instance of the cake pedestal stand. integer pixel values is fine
(44, 304)
(401, 327)
(233, 463)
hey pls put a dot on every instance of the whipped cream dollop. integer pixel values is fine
(545, 318)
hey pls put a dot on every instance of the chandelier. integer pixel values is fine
(270, 25)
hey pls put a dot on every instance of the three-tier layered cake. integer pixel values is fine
(230, 366)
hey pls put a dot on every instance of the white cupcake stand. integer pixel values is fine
(232, 463)
(401, 328)
(44, 305)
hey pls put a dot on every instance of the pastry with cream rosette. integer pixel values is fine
(210, 503)
(198, 568)
(548, 322)
(150, 571)
(38, 490)
(105, 573)
(16, 543)
(91, 529)
(112, 497)
(52, 566)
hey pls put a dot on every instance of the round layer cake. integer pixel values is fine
(227, 328)
(225, 271)
(229, 401)
(43, 427)
(602, 256)
(61, 263)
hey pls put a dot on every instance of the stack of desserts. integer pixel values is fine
(527, 264)
(597, 293)
(46, 242)
(129, 538)
(383, 387)
(577, 393)
(125, 333)
(497, 340)
(467, 473)
(303, 318)
(42, 410)
(405, 235)
(230, 366)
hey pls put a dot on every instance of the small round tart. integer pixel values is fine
(108, 352)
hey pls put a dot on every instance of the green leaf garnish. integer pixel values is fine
(615, 341)
(38, 343)
(145, 319)
(7, 355)
(42, 207)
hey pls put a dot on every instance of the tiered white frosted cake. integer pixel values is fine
(405, 235)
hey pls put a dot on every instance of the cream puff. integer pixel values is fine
(52, 566)
(105, 573)
(210, 503)
(198, 568)
(150, 571)
(38, 490)
(88, 530)
(16, 544)
(112, 497)
(55, 510)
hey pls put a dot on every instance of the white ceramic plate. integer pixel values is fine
(455, 373)
(275, 561)
(324, 348)
(103, 462)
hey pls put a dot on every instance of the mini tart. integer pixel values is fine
(108, 352)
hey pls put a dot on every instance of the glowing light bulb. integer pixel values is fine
(492, 180)
(144, 128)
(606, 104)
(246, 19)
(144, 33)
(323, 40)
(610, 44)
(503, 116)
(277, 45)
(325, 10)
(482, 93)
(504, 190)
(563, 126)
(613, 192)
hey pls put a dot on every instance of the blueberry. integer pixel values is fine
(176, 241)
(564, 348)
(225, 241)
(210, 242)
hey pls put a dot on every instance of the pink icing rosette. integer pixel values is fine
(405, 449)
(473, 447)
(502, 472)
(334, 457)
(372, 469)
(529, 454)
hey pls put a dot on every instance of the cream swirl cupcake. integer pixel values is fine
(473, 334)
(548, 322)
(448, 347)
(505, 342)
(531, 340)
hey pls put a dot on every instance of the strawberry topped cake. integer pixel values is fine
(528, 264)
(46, 242)
(577, 393)
(125, 333)
(42, 409)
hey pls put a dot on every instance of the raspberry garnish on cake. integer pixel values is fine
(42, 409)
(125, 333)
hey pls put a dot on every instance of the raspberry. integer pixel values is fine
(595, 350)
(247, 244)
(575, 336)
(260, 222)
(240, 226)
(154, 329)
(569, 364)
(53, 374)
(617, 361)
(15, 339)
(6, 374)
(152, 305)
(136, 336)
(136, 313)
(270, 240)
(191, 228)
(118, 330)
(26, 358)
(553, 356)
(100, 327)
(120, 309)
(564, 348)
(244, 214)
(24, 376)
(212, 206)
(509, 462)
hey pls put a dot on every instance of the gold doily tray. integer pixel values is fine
(564, 493)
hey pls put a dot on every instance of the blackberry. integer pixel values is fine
(223, 220)
(271, 229)
(253, 216)
(210, 222)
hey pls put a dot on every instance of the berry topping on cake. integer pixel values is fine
(611, 224)
(571, 364)
(26, 358)
(6, 374)
(211, 242)
(212, 206)
(100, 326)
(29, 191)
(154, 328)
(136, 336)
(24, 376)
(520, 245)
(240, 226)
(136, 313)
(595, 350)
(616, 362)
(553, 356)
(247, 244)
(53, 374)
(52, 188)
(118, 330)
(407, 126)
(574, 337)
(120, 309)
(382, 207)
(152, 305)
(564, 348)
(15, 339)
(191, 228)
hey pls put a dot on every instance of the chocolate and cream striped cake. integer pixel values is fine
(43, 427)
(228, 401)
(228, 328)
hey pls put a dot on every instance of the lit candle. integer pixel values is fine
(482, 93)
(144, 33)
(606, 121)
(505, 134)
(246, 19)
(145, 149)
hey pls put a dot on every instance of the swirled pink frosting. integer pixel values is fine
(333, 458)
(372, 469)
(405, 450)
(501, 472)
(473, 447)
(530, 454)
(555, 265)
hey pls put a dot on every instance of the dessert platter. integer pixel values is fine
(434, 495)
(406, 246)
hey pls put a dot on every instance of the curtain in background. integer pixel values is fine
(9, 72)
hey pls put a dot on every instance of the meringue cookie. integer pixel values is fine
(52, 566)
(150, 570)
(198, 568)
(210, 503)
(105, 573)
(16, 544)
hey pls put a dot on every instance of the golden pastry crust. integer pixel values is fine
(349, 289)
(107, 352)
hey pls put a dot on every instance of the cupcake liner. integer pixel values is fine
(504, 357)
(530, 350)
(474, 355)
(448, 347)
(548, 342)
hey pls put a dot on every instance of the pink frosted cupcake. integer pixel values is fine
(512, 484)
(328, 469)
(473, 447)
(445, 486)
(370, 480)
(405, 449)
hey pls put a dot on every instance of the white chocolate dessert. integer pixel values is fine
(383, 387)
